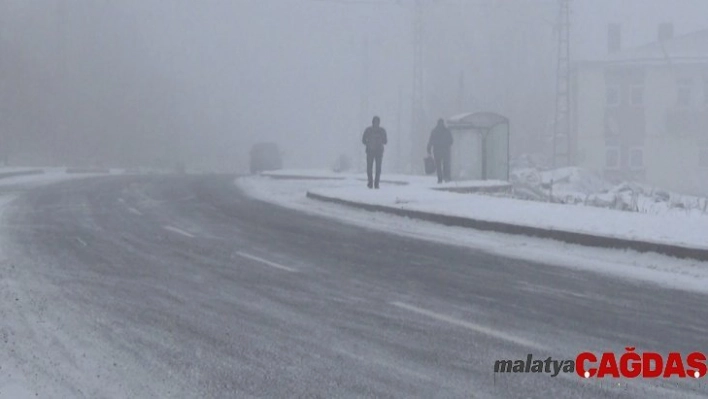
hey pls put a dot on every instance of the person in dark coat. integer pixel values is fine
(440, 143)
(374, 139)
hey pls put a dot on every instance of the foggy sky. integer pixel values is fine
(134, 81)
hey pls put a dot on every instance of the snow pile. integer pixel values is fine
(579, 186)
(574, 179)
(564, 185)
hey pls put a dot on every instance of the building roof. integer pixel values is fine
(475, 120)
(688, 48)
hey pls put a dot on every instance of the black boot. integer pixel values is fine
(369, 185)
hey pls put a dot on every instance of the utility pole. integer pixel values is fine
(364, 116)
(3, 120)
(561, 126)
(417, 138)
(417, 141)
(461, 92)
(57, 115)
(399, 129)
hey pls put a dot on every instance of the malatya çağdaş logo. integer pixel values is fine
(630, 364)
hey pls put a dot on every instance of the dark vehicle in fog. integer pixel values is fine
(265, 156)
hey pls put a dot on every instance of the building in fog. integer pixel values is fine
(642, 113)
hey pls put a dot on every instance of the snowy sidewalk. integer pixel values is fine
(683, 236)
(397, 179)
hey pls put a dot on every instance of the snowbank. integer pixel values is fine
(666, 229)
(574, 185)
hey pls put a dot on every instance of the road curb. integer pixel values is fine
(21, 173)
(459, 190)
(570, 237)
(298, 177)
(88, 170)
(476, 189)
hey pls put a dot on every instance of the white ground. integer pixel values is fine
(50, 175)
(13, 381)
(417, 181)
(577, 185)
(678, 229)
(647, 267)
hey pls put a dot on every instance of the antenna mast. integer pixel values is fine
(561, 126)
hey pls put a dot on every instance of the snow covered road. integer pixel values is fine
(182, 286)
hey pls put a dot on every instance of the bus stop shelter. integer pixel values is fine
(481, 146)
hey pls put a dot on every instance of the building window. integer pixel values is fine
(703, 157)
(612, 158)
(636, 158)
(611, 126)
(580, 156)
(612, 96)
(612, 141)
(637, 95)
(684, 92)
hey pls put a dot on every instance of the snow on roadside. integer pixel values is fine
(669, 229)
(50, 175)
(15, 382)
(409, 180)
(573, 185)
(309, 173)
(658, 269)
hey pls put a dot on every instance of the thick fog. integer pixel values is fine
(145, 82)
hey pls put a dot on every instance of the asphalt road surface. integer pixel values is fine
(181, 286)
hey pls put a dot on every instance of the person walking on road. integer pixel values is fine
(374, 139)
(440, 142)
